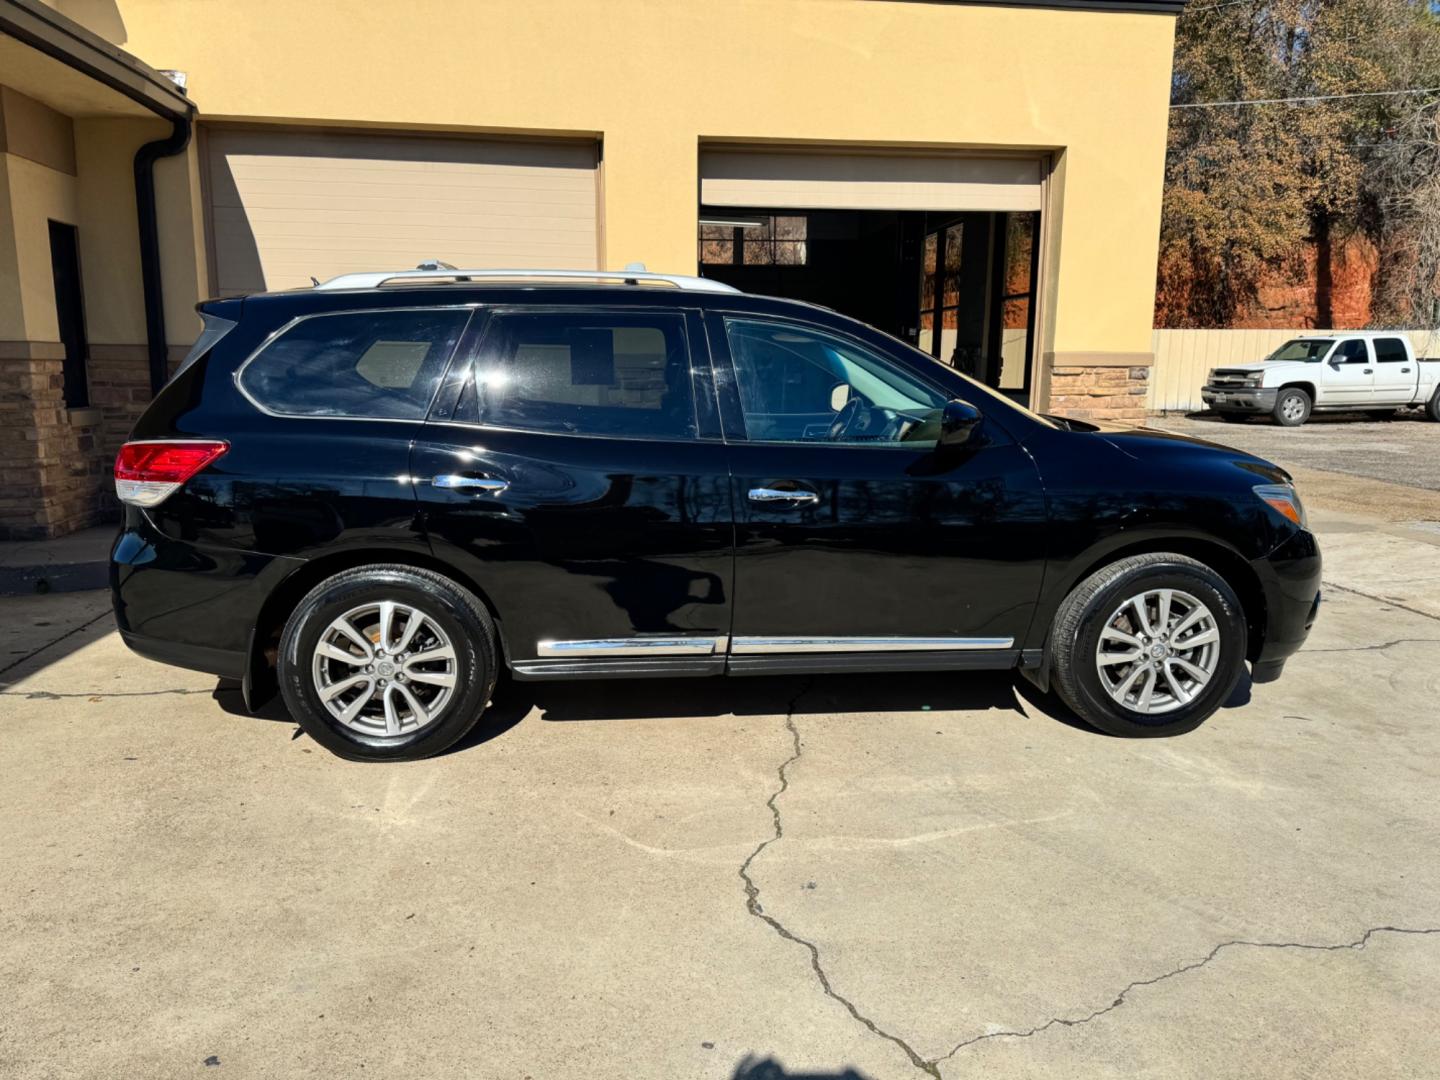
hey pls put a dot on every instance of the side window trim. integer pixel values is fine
(238, 376)
(462, 362)
(480, 334)
(731, 411)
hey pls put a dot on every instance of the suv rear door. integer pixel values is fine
(574, 473)
(854, 535)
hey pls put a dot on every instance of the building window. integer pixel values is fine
(768, 240)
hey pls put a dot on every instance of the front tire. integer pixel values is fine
(1151, 645)
(1292, 407)
(387, 663)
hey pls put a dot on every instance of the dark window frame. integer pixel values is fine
(732, 407)
(1365, 351)
(443, 364)
(1402, 351)
(453, 400)
(738, 242)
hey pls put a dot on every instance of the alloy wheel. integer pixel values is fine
(1158, 651)
(385, 669)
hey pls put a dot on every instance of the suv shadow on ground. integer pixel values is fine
(770, 1069)
(787, 695)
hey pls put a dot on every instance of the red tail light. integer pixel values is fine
(146, 473)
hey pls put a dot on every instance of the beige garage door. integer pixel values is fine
(867, 181)
(288, 205)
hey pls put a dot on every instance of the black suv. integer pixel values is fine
(377, 493)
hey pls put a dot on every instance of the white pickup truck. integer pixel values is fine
(1367, 371)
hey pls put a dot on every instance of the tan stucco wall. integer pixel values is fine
(31, 129)
(12, 312)
(35, 195)
(109, 244)
(653, 78)
(109, 232)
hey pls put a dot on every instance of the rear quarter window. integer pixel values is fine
(376, 364)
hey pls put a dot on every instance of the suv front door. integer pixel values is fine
(856, 535)
(571, 470)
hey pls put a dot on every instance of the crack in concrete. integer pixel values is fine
(1381, 646)
(1387, 601)
(1120, 998)
(753, 906)
(51, 695)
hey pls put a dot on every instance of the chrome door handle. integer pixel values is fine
(455, 481)
(764, 494)
(1369, 371)
(1404, 371)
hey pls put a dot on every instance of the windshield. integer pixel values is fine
(1303, 349)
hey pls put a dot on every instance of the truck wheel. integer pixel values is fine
(1432, 408)
(1292, 407)
(1149, 645)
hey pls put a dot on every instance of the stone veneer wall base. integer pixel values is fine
(1100, 392)
(55, 462)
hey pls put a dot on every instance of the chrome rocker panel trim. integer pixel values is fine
(636, 646)
(743, 646)
(680, 656)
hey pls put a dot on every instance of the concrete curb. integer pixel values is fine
(70, 564)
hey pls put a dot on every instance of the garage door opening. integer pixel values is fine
(940, 251)
(960, 287)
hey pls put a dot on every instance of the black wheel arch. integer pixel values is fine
(260, 684)
(1220, 557)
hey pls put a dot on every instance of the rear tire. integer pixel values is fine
(1158, 691)
(387, 663)
(1292, 407)
(1432, 407)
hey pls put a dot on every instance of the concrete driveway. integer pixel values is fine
(882, 877)
(1404, 449)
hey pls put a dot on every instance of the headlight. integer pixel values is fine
(1283, 498)
(1253, 381)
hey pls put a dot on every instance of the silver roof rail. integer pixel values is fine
(374, 279)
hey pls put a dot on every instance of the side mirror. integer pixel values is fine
(958, 421)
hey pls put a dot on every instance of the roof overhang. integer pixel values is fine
(1146, 7)
(57, 61)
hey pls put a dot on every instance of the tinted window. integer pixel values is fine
(374, 363)
(1389, 350)
(798, 384)
(1351, 352)
(584, 374)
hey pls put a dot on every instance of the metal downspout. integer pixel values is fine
(150, 280)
